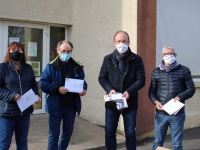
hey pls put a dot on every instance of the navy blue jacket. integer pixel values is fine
(167, 85)
(132, 79)
(51, 80)
(12, 83)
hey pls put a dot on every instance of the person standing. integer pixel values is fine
(170, 80)
(122, 71)
(16, 78)
(61, 105)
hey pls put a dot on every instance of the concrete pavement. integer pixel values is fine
(91, 137)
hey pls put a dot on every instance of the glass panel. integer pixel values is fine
(32, 40)
(56, 34)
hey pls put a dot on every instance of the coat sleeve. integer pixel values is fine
(140, 78)
(190, 87)
(46, 81)
(5, 94)
(153, 89)
(33, 82)
(103, 76)
(82, 77)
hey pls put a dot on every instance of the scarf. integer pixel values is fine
(167, 68)
(122, 59)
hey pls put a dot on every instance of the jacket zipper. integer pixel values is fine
(168, 87)
(19, 84)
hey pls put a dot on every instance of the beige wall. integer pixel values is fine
(50, 11)
(94, 24)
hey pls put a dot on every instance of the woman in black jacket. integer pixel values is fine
(16, 78)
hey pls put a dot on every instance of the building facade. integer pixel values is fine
(90, 25)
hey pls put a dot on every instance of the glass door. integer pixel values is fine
(34, 39)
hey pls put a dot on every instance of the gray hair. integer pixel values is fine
(168, 47)
(64, 41)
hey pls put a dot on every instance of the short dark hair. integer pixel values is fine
(123, 32)
(64, 41)
(13, 46)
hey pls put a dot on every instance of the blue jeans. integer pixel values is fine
(176, 125)
(68, 116)
(17, 124)
(112, 118)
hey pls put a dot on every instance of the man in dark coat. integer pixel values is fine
(122, 71)
(170, 81)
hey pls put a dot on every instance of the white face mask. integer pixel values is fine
(121, 47)
(169, 59)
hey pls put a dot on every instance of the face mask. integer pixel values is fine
(168, 59)
(16, 56)
(121, 47)
(65, 57)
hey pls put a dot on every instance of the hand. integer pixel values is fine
(159, 106)
(112, 92)
(39, 99)
(16, 97)
(125, 95)
(177, 99)
(83, 93)
(63, 90)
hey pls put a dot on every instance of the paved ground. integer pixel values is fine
(88, 136)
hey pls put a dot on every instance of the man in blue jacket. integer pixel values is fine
(170, 80)
(122, 71)
(60, 103)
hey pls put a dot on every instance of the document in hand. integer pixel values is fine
(120, 102)
(74, 85)
(172, 107)
(27, 100)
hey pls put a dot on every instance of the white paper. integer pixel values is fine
(27, 100)
(74, 85)
(13, 39)
(172, 107)
(110, 97)
(121, 103)
(32, 49)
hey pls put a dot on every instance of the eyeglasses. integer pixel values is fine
(65, 51)
(171, 54)
(123, 41)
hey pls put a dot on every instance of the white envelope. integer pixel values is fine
(27, 100)
(74, 85)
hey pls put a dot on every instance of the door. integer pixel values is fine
(34, 39)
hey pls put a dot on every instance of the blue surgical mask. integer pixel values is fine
(65, 57)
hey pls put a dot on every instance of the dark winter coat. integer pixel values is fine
(51, 80)
(11, 83)
(167, 85)
(131, 80)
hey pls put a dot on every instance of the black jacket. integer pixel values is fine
(132, 79)
(167, 85)
(11, 83)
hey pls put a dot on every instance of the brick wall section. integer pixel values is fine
(146, 48)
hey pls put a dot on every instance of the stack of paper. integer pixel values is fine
(120, 102)
(172, 107)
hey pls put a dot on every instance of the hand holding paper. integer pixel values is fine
(172, 107)
(74, 85)
(27, 100)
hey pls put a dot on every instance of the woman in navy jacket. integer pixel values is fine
(16, 78)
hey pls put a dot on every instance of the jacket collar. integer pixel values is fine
(130, 57)
(56, 64)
